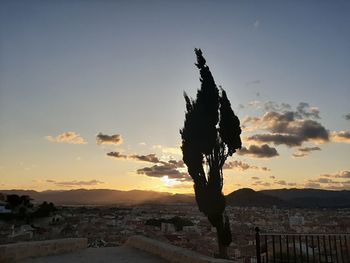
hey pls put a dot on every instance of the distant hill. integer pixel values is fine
(101, 196)
(247, 197)
(303, 198)
(312, 198)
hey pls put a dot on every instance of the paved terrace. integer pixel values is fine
(138, 249)
(101, 255)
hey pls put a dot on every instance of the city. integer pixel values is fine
(179, 224)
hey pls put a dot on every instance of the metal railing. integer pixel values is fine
(298, 248)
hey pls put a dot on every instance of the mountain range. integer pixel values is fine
(288, 198)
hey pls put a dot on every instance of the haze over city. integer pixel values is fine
(91, 96)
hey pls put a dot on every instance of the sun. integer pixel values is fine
(169, 182)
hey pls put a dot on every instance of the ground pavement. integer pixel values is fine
(120, 254)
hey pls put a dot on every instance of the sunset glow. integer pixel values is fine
(91, 95)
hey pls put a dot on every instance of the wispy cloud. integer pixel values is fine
(261, 183)
(335, 181)
(117, 155)
(302, 152)
(115, 139)
(67, 137)
(75, 183)
(151, 158)
(340, 174)
(239, 165)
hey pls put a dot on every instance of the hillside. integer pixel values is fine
(309, 198)
(100, 196)
(303, 198)
(247, 197)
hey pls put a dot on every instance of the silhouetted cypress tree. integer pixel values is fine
(210, 134)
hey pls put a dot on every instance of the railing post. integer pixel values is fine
(257, 245)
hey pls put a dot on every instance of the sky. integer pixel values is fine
(91, 92)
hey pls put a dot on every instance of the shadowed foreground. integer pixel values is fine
(101, 255)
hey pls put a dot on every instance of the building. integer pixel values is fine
(296, 220)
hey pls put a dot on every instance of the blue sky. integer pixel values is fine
(120, 67)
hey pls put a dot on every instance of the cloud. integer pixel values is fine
(67, 137)
(347, 116)
(277, 139)
(170, 168)
(117, 155)
(340, 136)
(151, 158)
(258, 182)
(301, 152)
(286, 128)
(75, 183)
(336, 181)
(239, 165)
(165, 169)
(281, 182)
(274, 106)
(263, 151)
(305, 111)
(340, 174)
(327, 183)
(108, 139)
(178, 164)
(261, 183)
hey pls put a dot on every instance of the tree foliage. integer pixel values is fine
(210, 134)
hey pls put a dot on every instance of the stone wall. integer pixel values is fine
(18, 251)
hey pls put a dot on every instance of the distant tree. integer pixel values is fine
(45, 209)
(210, 134)
(14, 202)
(20, 206)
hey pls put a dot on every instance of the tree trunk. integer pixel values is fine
(224, 235)
(222, 249)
